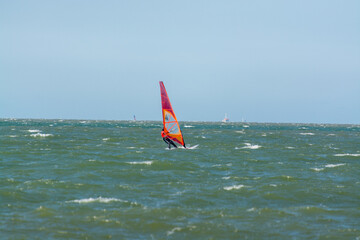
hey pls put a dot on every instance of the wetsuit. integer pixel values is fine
(167, 140)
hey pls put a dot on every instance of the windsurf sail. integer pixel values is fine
(171, 125)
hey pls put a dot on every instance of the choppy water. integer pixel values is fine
(62, 179)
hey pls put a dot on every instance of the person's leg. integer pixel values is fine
(172, 143)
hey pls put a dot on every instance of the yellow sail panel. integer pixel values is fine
(171, 127)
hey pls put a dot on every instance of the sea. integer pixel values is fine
(82, 179)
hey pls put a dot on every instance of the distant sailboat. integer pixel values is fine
(226, 119)
(171, 125)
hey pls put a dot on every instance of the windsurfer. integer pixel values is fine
(167, 140)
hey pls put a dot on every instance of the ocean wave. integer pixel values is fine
(41, 135)
(347, 154)
(105, 139)
(98, 199)
(34, 130)
(309, 133)
(173, 230)
(249, 146)
(242, 131)
(317, 169)
(143, 162)
(234, 187)
(334, 165)
(188, 126)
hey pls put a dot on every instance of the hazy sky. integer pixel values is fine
(265, 61)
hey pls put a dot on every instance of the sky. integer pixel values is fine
(261, 61)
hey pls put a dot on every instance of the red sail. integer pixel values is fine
(171, 125)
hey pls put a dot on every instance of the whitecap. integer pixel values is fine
(334, 165)
(99, 199)
(234, 187)
(12, 136)
(143, 162)
(309, 133)
(290, 147)
(226, 177)
(173, 230)
(41, 135)
(188, 126)
(216, 165)
(251, 210)
(347, 154)
(317, 169)
(34, 130)
(189, 147)
(249, 146)
(105, 139)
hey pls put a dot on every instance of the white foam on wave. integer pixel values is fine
(226, 177)
(347, 154)
(188, 126)
(308, 133)
(98, 199)
(105, 139)
(290, 147)
(328, 166)
(249, 146)
(190, 147)
(41, 135)
(234, 187)
(173, 230)
(143, 162)
(34, 130)
(317, 169)
(334, 165)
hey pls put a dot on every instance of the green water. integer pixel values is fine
(63, 179)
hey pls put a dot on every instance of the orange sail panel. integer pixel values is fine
(171, 125)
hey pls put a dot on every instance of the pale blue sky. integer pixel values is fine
(266, 61)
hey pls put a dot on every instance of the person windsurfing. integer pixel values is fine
(167, 140)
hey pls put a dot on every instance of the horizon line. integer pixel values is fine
(149, 120)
